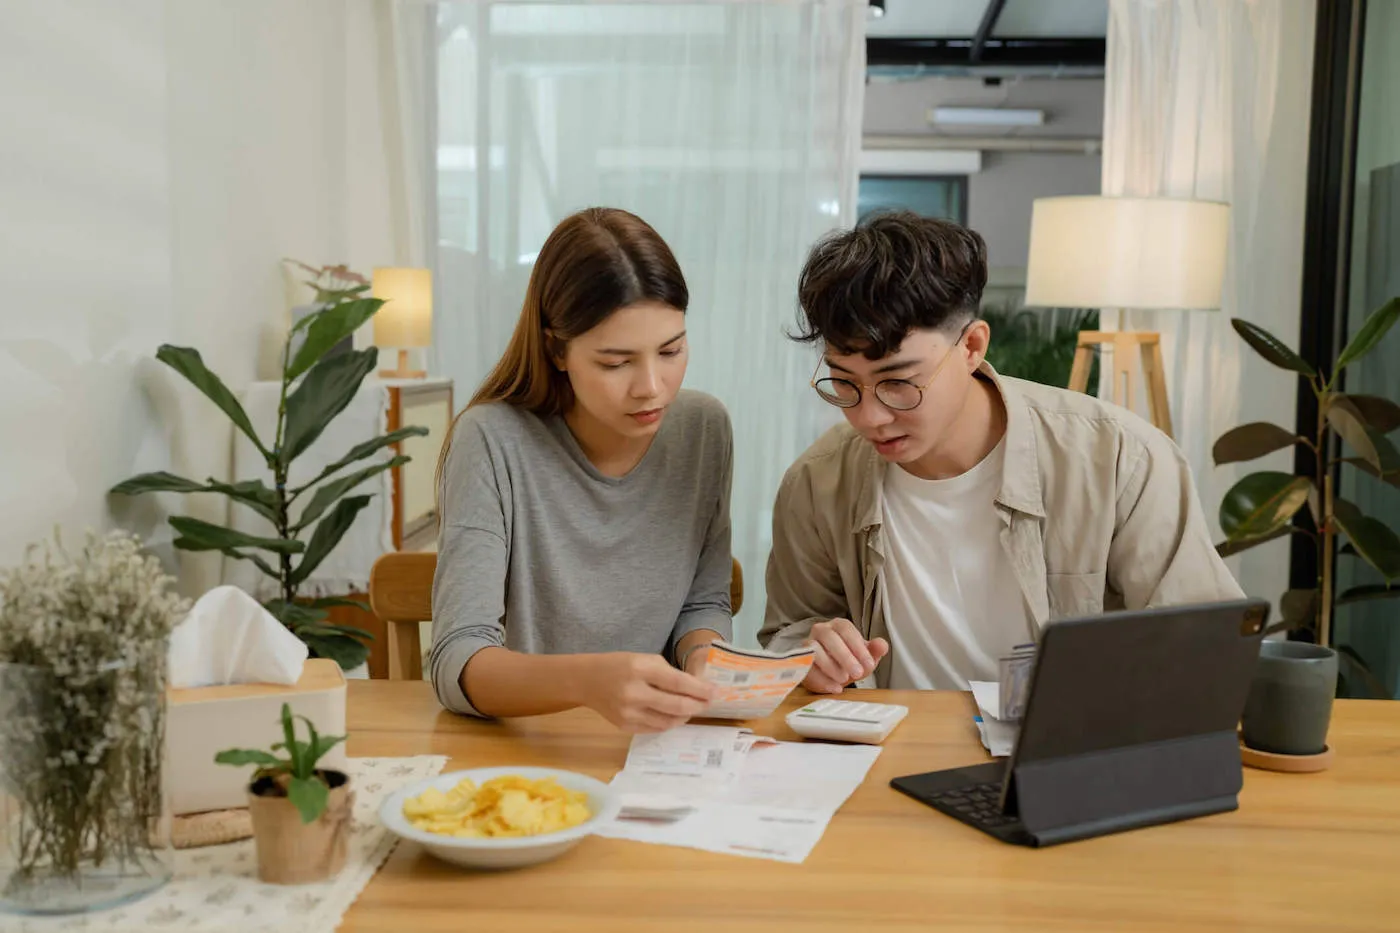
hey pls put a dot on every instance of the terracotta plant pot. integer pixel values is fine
(293, 852)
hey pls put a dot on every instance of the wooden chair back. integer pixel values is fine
(401, 595)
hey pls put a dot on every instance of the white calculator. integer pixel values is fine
(846, 721)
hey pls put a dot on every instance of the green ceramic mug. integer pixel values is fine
(1290, 699)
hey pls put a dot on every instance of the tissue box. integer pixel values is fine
(203, 721)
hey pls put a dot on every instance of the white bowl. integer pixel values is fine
(509, 852)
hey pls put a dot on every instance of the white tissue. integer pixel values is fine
(228, 638)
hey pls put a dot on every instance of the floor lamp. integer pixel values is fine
(1129, 254)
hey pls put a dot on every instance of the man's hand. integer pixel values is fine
(843, 656)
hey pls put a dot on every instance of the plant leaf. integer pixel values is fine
(248, 756)
(348, 652)
(188, 363)
(295, 615)
(1251, 441)
(328, 387)
(332, 630)
(325, 602)
(360, 451)
(1374, 541)
(328, 534)
(1271, 348)
(1261, 503)
(301, 747)
(1373, 683)
(199, 535)
(309, 796)
(302, 322)
(290, 739)
(327, 495)
(1374, 447)
(261, 564)
(1299, 608)
(312, 740)
(1234, 546)
(155, 482)
(327, 328)
(1392, 478)
(325, 744)
(252, 493)
(1370, 334)
(1376, 412)
(1363, 594)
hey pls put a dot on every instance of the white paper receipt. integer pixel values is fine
(697, 751)
(752, 683)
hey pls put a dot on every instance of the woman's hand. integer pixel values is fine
(643, 693)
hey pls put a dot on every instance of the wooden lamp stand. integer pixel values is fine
(1149, 345)
(403, 372)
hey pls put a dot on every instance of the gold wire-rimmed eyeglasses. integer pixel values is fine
(894, 394)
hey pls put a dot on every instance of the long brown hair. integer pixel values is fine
(596, 262)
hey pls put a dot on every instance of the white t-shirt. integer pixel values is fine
(952, 602)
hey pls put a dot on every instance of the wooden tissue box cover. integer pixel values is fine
(203, 721)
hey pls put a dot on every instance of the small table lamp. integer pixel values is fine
(1127, 254)
(406, 318)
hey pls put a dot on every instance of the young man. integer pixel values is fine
(958, 512)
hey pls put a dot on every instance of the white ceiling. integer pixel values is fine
(1064, 19)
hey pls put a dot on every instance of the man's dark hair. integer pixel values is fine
(863, 290)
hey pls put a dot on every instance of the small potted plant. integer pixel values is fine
(301, 814)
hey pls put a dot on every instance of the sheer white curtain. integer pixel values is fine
(1210, 100)
(732, 127)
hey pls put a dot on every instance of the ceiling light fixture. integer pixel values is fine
(985, 116)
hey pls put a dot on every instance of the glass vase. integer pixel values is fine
(84, 823)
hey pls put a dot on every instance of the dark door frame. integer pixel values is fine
(1327, 232)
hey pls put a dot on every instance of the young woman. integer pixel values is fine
(584, 545)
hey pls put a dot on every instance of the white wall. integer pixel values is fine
(160, 159)
(85, 244)
(999, 197)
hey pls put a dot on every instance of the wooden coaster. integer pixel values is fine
(213, 828)
(1296, 764)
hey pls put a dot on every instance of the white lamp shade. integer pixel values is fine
(1130, 253)
(406, 319)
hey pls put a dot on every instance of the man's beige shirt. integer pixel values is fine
(1098, 512)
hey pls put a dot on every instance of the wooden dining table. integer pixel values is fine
(1303, 851)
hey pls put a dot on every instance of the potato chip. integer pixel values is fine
(506, 806)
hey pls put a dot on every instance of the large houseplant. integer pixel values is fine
(1023, 346)
(1263, 506)
(316, 387)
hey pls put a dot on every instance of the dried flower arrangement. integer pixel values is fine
(83, 640)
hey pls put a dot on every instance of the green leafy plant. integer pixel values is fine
(1020, 346)
(1262, 506)
(316, 387)
(296, 775)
